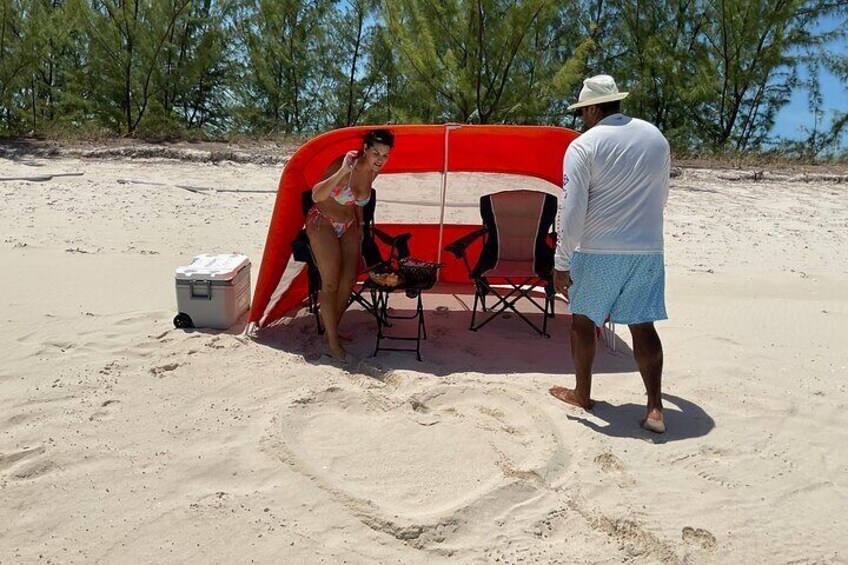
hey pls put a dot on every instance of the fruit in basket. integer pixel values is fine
(385, 279)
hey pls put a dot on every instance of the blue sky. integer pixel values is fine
(795, 117)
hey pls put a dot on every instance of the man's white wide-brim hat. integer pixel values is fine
(597, 90)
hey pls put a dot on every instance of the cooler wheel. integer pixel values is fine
(183, 320)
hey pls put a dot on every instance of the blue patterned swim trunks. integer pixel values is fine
(630, 288)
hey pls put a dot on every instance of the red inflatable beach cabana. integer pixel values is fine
(534, 151)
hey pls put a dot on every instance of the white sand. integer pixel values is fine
(123, 440)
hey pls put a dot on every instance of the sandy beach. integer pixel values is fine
(125, 440)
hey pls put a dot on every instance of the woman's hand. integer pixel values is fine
(334, 175)
(350, 159)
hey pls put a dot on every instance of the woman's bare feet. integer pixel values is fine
(569, 396)
(337, 351)
(341, 336)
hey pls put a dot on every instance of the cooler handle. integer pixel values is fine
(205, 290)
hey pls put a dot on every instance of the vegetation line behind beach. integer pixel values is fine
(712, 75)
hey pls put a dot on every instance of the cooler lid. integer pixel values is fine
(213, 267)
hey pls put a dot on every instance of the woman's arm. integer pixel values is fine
(334, 176)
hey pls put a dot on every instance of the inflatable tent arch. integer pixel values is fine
(534, 151)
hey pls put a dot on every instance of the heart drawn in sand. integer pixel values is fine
(376, 450)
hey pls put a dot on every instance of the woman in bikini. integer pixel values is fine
(333, 225)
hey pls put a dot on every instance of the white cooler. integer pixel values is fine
(213, 291)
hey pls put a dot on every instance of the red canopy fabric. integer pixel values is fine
(534, 151)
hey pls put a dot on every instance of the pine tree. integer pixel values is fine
(195, 69)
(128, 41)
(475, 60)
(279, 86)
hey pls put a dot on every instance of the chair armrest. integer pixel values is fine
(459, 246)
(389, 239)
(399, 242)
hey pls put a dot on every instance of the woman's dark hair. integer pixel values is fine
(381, 136)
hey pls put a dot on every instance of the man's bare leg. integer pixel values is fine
(647, 349)
(583, 353)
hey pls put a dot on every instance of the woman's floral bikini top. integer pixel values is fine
(344, 196)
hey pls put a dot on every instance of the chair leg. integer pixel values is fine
(382, 321)
(421, 316)
(508, 301)
(380, 315)
(314, 307)
(474, 309)
(314, 287)
(421, 327)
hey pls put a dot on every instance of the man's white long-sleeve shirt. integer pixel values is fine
(615, 186)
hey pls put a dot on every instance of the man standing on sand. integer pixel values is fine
(610, 249)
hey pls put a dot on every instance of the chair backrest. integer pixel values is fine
(306, 201)
(370, 252)
(518, 223)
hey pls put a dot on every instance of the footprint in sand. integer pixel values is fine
(162, 369)
(609, 462)
(26, 463)
(103, 414)
(213, 343)
(699, 537)
(727, 468)
(7, 460)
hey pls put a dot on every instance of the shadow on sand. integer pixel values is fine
(505, 346)
(683, 420)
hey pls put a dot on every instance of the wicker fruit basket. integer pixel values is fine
(416, 273)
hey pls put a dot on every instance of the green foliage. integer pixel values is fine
(278, 86)
(822, 141)
(129, 40)
(481, 61)
(745, 75)
(357, 62)
(659, 52)
(712, 74)
(191, 80)
(35, 44)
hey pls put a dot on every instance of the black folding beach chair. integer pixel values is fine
(517, 256)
